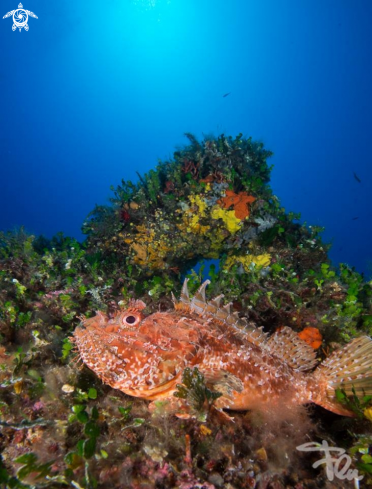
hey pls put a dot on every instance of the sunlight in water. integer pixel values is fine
(149, 4)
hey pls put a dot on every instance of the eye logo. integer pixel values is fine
(20, 18)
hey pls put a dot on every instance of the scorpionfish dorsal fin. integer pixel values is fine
(286, 345)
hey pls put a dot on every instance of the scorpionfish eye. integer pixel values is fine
(131, 319)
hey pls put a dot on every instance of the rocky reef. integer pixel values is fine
(61, 427)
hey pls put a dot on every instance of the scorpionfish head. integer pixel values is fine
(141, 356)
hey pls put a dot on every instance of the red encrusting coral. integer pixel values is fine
(124, 215)
(311, 336)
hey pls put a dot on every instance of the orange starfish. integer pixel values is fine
(240, 202)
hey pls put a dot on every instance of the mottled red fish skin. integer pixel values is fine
(147, 359)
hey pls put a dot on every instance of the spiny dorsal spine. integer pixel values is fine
(202, 307)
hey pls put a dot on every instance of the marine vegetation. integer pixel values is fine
(197, 206)
(65, 425)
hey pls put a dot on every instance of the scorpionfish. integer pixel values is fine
(145, 356)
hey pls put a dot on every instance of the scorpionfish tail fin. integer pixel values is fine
(348, 369)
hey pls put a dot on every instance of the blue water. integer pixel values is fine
(96, 91)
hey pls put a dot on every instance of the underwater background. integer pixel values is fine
(142, 142)
(97, 91)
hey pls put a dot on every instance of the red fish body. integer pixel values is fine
(146, 356)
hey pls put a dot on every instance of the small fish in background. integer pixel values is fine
(357, 178)
(226, 94)
(355, 218)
